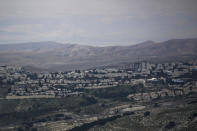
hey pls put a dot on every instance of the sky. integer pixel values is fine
(97, 22)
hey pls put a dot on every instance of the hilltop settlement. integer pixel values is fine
(177, 78)
(88, 99)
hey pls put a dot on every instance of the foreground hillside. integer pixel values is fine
(56, 56)
(79, 114)
(177, 114)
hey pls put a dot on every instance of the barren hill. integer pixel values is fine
(57, 56)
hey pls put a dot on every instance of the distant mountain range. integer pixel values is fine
(58, 57)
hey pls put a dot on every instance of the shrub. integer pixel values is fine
(147, 113)
(170, 125)
(59, 115)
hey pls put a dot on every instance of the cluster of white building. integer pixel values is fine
(24, 82)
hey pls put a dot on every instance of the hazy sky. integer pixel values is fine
(97, 22)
